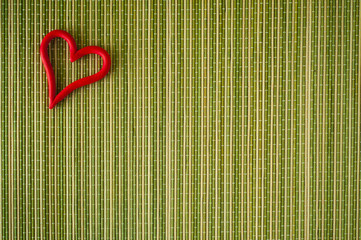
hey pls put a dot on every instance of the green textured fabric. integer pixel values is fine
(219, 120)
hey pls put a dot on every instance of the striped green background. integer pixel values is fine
(222, 119)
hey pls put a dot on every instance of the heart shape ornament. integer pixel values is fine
(74, 55)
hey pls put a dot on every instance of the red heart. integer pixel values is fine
(74, 55)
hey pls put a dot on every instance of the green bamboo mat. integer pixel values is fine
(218, 120)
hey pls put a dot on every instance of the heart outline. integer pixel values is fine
(74, 55)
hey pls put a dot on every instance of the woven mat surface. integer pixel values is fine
(220, 120)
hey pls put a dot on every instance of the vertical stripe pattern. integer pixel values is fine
(218, 120)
